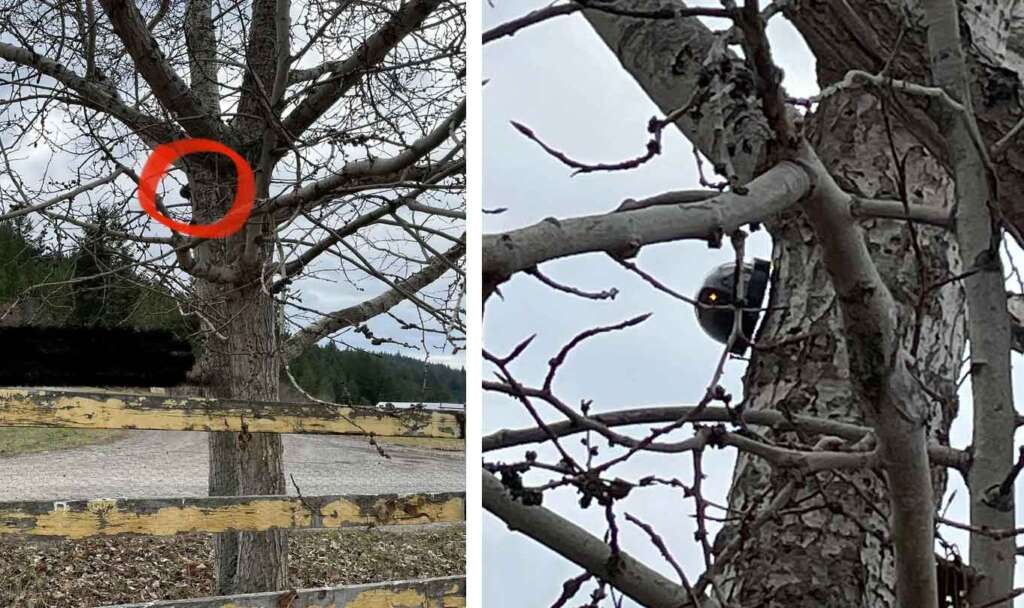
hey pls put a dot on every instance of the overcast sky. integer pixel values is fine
(560, 80)
(323, 288)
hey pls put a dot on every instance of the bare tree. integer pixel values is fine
(886, 197)
(350, 114)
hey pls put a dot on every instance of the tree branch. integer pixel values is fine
(506, 438)
(165, 83)
(879, 369)
(735, 146)
(349, 72)
(370, 168)
(922, 214)
(267, 57)
(510, 28)
(152, 130)
(988, 322)
(201, 268)
(201, 41)
(292, 268)
(69, 195)
(624, 572)
(364, 311)
(507, 253)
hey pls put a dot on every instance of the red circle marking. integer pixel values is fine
(160, 161)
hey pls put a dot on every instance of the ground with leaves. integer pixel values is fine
(15, 441)
(93, 572)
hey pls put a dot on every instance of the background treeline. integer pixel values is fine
(92, 283)
(354, 376)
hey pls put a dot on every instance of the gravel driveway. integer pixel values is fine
(169, 464)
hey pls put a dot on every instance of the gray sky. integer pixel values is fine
(324, 288)
(327, 291)
(560, 80)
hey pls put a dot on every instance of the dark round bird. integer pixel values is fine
(716, 310)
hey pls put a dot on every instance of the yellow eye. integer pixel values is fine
(713, 296)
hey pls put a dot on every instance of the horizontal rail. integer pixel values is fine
(449, 592)
(34, 520)
(98, 410)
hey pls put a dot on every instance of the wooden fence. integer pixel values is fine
(28, 520)
(99, 410)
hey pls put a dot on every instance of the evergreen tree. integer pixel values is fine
(106, 296)
(124, 298)
(28, 274)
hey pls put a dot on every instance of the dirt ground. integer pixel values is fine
(98, 572)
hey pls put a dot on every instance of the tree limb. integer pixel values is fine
(988, 322)
(201, 41)
(510, 252)
(364, 311)
(348, 73)
(506, 438)
(510, 28)
(152, 130)
(69, 195)
(295, 266)
(370, 168)
(922, 214)
(267, 57)
(165, 83)
(879, 368)
(624, 572)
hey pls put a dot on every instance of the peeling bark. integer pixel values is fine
(850, 561)
(862, 34)
(839, 557)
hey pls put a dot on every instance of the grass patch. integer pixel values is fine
(433, 443)
(28, 440)
(100, 571)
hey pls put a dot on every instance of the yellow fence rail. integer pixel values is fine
(31, 520)
(100, 410)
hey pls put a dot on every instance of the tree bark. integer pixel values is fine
(245, 463)
(239, 360)
(871, 34)
(223, 481)
(841, 553)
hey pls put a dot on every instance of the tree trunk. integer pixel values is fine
(223, 481)
(245, 463)
(838, 554)
(830, 545)
(240, 361)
